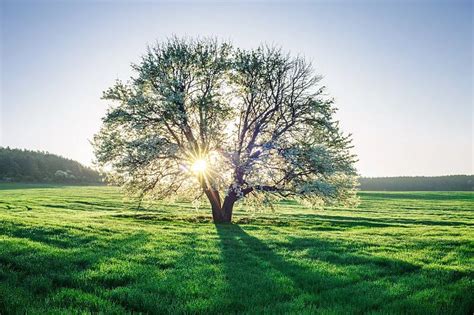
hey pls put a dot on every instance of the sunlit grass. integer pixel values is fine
(83, 249)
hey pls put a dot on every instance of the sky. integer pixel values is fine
(401, 72)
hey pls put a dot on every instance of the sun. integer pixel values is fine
(199, 166)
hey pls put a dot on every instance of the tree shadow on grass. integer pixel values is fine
(197, 271)
(319, 276)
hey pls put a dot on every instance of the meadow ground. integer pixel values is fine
(67, 250)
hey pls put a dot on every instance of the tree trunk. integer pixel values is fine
(217, 215)
(221, 213)
(228, 207)
(215, 201)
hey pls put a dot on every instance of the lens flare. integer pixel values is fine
(199, 166)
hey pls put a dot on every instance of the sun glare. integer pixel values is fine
(199, 166)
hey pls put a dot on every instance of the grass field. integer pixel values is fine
(67, 250)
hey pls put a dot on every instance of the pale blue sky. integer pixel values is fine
(401, 71)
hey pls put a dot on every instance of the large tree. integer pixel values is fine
(203, 117)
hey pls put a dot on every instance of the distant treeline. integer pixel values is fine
(42, 167)
(418, 183)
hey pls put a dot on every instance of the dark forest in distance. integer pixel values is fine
(418, 183)
(28, 166)
(17, 165)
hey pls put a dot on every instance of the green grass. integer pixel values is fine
(83, 249)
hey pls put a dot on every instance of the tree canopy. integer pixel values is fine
(203, 117)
